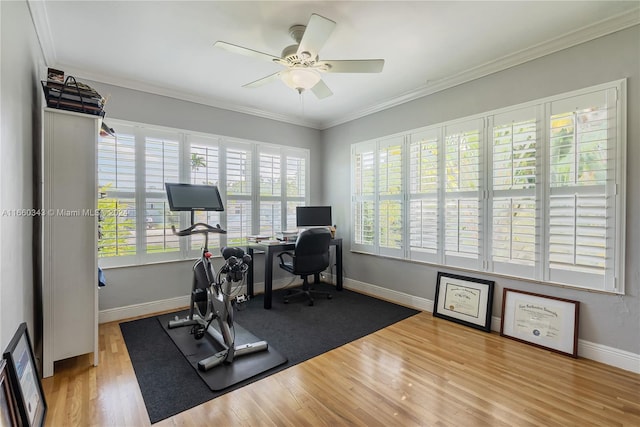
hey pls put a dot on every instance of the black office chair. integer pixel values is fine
(310, 256)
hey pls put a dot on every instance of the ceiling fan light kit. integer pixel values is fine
(300, 78)
(302, 62)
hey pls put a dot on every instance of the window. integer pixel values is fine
(260, 185)
(534, 191)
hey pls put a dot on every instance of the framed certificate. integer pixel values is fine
(7, 413)
(464, 300)
(24, 379)
(540, 320)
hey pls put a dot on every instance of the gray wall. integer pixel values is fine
(145, 284)
(604, 319)
(21, 67)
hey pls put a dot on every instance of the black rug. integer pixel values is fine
(170, 385)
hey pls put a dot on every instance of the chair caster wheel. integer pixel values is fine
(329, 296)
(286, 301)
(310, 303)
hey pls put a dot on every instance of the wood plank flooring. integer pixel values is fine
(422, 371)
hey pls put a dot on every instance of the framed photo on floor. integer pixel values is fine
(464, 300)
(540, 320)
(31, 406)
(7, 411)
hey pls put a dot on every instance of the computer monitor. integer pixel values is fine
(313, 216)
(192, 197)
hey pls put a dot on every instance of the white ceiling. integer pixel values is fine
(166, 47)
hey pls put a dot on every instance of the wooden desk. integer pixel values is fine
(269, 251)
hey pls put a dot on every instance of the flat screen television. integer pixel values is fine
(192, 197)
(313, 216)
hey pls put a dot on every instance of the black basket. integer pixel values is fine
(73, 96)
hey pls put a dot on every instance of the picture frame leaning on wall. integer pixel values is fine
(7, 409)
(541, 320)
(28, 394)
(464, 300)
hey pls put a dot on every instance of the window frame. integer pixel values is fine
(186, 140)
(612, 278)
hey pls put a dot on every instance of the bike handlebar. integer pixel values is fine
(198, 228)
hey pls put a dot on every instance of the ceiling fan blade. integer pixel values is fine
(352, 66)
(245, 51)
(321, 90)
(315, 35)
(263, 81)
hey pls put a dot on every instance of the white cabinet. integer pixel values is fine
(69, 236)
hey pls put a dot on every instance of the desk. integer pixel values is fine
(269, 251)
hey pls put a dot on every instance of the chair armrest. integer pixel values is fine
(282, 260)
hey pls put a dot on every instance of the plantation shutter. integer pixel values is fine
(204, 167)
(582, 195)
(462, 189)
(238, 158)
(117, 203)
(390, 197)
(296, 185)
(512, 201)
(423, 195)
(162, 164)
(363, 182)
(270, 177)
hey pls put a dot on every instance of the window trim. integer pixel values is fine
(186, 139)
(613, 279)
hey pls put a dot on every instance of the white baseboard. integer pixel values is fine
(135, 310)
(588, 350)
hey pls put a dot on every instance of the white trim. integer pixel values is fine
(600, 353)
(143, 309)
(590, 32)
(397, 297)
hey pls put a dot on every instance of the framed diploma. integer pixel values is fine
(24, 379)
(540, 320)
(7, 413)
(464, 300)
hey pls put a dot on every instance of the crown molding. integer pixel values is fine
(40, 18)
(582, 35)
(182, 96)
(587, 33)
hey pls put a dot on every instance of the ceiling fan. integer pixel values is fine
(303, 66)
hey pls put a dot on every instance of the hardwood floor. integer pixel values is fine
(422, 371)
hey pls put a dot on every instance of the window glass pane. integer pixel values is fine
(514, 230)
(577, 229)
(116, 202)
(238, 221)
(514, 155)
(158, 222)
(579, 142)
(463, 161)
(364, 173)
(296, 177)
(390, 224)
(423, 166)
(423, 217)
(161, 163)
(270, 217)
(238, 172)
(117, 229)
(462, 229)
(291, 213)
(390, 170)
(269, 173)
(363, 221)
(205, 164)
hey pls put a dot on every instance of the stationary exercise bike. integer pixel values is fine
(211, 293)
